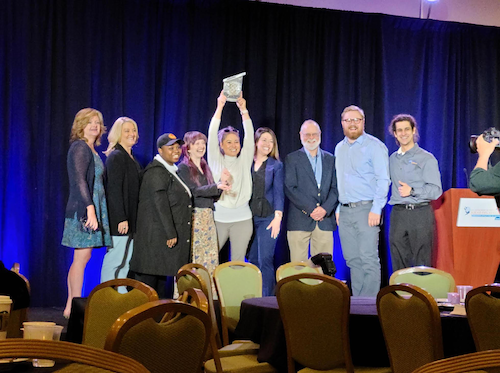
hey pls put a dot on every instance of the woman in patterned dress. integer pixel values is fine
(194, 171)
(86, 221)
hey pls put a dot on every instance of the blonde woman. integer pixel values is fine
(122, 188)
(86, 219)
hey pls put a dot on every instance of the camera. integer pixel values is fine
(325, 260)
(489, 134)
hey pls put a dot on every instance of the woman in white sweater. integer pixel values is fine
(233, 216)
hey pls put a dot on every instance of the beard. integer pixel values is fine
(353, 135)
(311, 144)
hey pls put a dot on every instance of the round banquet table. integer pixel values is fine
(260, 321)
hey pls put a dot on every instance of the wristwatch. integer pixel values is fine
(412, 192)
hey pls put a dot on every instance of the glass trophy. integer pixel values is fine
(233, 86)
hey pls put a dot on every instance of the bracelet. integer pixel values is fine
(244, 112)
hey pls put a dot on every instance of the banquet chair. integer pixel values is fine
(235, 281)
(176, 346)
(294, 268)
(84, 358)
(477, 362)
(19, 315)
(205, 275)
(105, 304)
(411, 327)
(483, 313)
(192, 278)
(315, 318)
(435, 281)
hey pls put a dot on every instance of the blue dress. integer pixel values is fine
(75, 234)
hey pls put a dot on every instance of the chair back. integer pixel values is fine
(435, 281)
(483, 313)
(478, 362)
(235, 281)
(20, 315)
(294, 268)
(411, 327)
(86, 358)
(193, 279)
(316, 321)
(105, 304)
(177, 346)
(205, 275)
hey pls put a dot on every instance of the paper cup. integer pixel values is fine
(5, 307)
(44, 331)
(454, 298)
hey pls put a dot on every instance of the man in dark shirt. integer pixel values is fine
(484, 180)
(416, 181)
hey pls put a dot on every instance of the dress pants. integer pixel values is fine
(360, 249)
(298, 242)
(411, 236)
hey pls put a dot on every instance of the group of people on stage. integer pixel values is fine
(155, 220)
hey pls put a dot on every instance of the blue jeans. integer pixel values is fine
(262, 253)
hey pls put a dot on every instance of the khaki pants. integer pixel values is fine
(298, 242)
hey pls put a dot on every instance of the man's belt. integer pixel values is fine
(412, 206)
(356, 204)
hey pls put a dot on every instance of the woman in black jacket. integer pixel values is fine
(86, 220)
(122, 192)
(163, 239)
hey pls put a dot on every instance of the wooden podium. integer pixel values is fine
(470, 254)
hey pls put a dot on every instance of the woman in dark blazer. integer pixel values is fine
(266, 204)
(86, 220)
(122, 191)
(163, 237)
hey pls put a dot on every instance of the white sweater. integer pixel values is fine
(232, 205)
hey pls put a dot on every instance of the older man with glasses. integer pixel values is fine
(362, 163)
(311, 187)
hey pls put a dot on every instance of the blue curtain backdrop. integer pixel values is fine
(161, 63)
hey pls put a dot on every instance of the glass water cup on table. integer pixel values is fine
(44, 331)
(462, 291)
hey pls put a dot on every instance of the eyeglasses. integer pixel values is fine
(352, 120)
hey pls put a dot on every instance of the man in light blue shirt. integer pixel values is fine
(362, 164)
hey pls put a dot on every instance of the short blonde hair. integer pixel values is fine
(82, 118)
(352, 108)
(115, 133)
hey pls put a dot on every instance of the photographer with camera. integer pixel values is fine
(484, 180)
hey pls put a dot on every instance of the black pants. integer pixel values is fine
(411, 236)
(164, 285)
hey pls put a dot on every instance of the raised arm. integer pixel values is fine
(248, 146)
(214, 156)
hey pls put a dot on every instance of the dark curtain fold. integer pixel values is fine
(161, 62)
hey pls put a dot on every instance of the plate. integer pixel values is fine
(9, 360)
